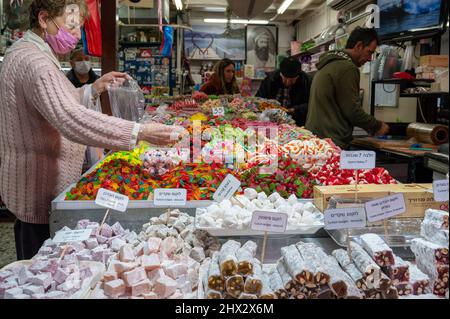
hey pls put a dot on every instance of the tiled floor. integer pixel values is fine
(7, 246)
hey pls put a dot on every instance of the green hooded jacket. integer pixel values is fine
(334, 102)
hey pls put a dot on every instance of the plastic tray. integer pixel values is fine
(97, 269)
(399, 232)
(230, 232)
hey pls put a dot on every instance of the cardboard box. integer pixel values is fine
(418, 197)
(322, 194)
(434, 60)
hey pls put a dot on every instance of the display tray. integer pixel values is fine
(97, 268)
(230, 232)
(398, 233)
(59, 203)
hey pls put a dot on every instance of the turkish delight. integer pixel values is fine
(398, 272)
(432, 252)
(378, 249)
(227, 258)
(419, 281)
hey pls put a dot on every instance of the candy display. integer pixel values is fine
(117, 175)
(237, 213)
(434, 227)
(378, 249)
(223, 279)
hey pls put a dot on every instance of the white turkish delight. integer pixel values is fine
(12, 293)
(117, 229)
(44, 279)
(91, 243)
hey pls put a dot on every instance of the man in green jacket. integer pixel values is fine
(334, 103)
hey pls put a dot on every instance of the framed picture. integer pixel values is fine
(213, 42)
(262, 48)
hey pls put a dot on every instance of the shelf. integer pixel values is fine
(428, 94)
(400, 81)
(315, 49)
(138, 44)
(190, 59)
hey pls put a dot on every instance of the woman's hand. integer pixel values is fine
(160, 134)
(111, 78)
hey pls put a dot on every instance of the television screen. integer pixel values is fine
(397, 16)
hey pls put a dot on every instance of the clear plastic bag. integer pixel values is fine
(127, 101)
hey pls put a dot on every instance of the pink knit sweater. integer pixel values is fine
(43, 130)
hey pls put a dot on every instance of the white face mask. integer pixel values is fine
(82, 67)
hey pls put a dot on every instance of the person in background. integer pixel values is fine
(81, 73)
(290, 86)
(44, 125)
(335, 104)
(223, 80)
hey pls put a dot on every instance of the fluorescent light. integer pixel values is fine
(284, 6)
(179, 4)
(236, 21)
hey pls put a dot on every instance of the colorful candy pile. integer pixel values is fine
(200, 180)
(117, 175)
(287, 178)
(331, 174)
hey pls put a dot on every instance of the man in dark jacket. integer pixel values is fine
(81, 73)
(335, 107)
(289, 86)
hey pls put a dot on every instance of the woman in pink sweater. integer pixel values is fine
(44, 128)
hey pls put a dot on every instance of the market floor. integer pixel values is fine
(7, 245)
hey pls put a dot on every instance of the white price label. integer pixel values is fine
(269, 222)
(357, 160)
(71, 236)
(218, 111)
(342, 218)
(227, 188)
(385, 207)
(440, 190)
(170, 197)
(112, 200)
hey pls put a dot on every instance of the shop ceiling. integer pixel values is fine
(258, 9)
(216, 8)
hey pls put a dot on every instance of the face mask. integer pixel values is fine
(82, 67)
(63, 42)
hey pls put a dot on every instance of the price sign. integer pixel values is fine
(71, 236)
(385, 207)
(218, 111)
(440, 190)
(170, 197)
(111, 200)
(269, 222)
(345, 218)
(227, 188)
(357, 160)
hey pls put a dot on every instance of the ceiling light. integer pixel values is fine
(179, 5)
(236, 21)
(284, 6)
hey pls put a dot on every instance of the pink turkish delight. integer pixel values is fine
(164, 287)
(117, 229)
(134, 276)
(114, 288)
(153, 245)
(126, 253)
(176, 270)
(150, 262)
(141, 288)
